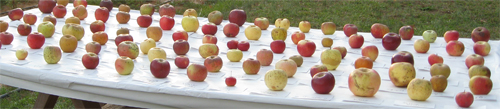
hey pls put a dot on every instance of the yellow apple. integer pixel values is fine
(331, 58)
(147, 44)
(156, 52)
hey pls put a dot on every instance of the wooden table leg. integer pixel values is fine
(85, 104)
(45, 101)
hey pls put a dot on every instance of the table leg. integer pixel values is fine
(85, 104)
(45, 101)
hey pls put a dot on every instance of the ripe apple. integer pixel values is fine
(262, 23)
(155, 53)
(16, 14)
(434, 58)
(167, 22)
(323, 82)
(62, 2)
(93, 47)
(253, 32)
(421, 46)
(3, 26)
(243, 46)
(363, 62)
(482, 48)
(378, 30)
(391, 41)
(451, 35)
(306, 48)
(122, 30)
(190, 12)
(234, 55)
(52, 54)
(455, 48)
(128, 49)
(237, 16)
(316, 69)
(106, 3)
(230, 81)
(231, 30)
(401, 73)
(209, 29)
(123, 37)
(328, 28)
(124, 8)
(474, 59)
(480, 85)
(102, 13)
(51, 19)
(356, 41)
(429, 35)
(167, 9)
(304, 26)
(342, 50)
(440, 69)
(29, 18)
(47, 29)
(215, 17)
(97, 25)
(279, 33)
(80, 12)
(90, 60)
(72, 19)
(160, 68)
(181, 61)
(6, 38)
(480, 34)
(213, 63)
(68, 43)
(265, 57)
(402, 56)
(350, 29)
(124, 65)
(297, 59)
(123, 17)
(331, 58)
(206, 50)
(406, 32)
(147, 9)
(282, 22)
(73, 29)
(46, 6)
(197, 72)
(181, 47)
(419, 89)
(364, 82)
(439, 83)
(146, 45)
(251, 66)
(464, 99)
(21, 54)
(479, 70)
(101, 37)
(79, 2)
(287, 65)
(298, 36)
(276, 79)
(24, 29)
(181, 34)
(190, 23)
(210, 39)
(370, 51)
(232, 44)
(144, 20)
(59, 11)
(35, 40)
(154, 32)
(278, 46)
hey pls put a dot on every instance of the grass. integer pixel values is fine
(25, 99)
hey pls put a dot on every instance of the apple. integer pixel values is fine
(363, 62)
(378, 30)
(455, 48)
(124, 8)
(167, 22)
(190, 12)
(401, 73)
(80, 12)
(342, 50)
(155, 53)
(482, 48)
(93, 47)
(215, 17)
(213, 63)
(421, 46)
(62, 2)
(276, 79)
(181, 34)
(90, 60)
(298, 36)
(50, 19)
(102, 13)
(350, 29)
(101, 37)
(181, 47)
(464, 99)
(97, 25)
(190, 23)
(262, 23)
(46, 6)
(370, 51)
(231, 30)
(243, 45)
(154, 32)
(440, 69)
(123, 17)
(364, 82)
(331, 58)
(480, 34)
(6, 38)
(79, 2)
(279, 33)
(128, 49)
(21, 54)
(181, 61)
(439, 83)
(316, 69)
(147, 9)
(402, 56)
(429, 35)
(434, 58)
(451, 35)
(16, 14)
(406, 32)
(209, 29)
(68, 43)
(474, 59)
(144, 20)
(167, 9)
(306, 48)
(29, 18)
(232, 44)
(47, 29)
(210, 39)
(253, 32)
(479, 70)
(283, 23)
(304, 26)
(3, 26)
(146, 45)
(278, 46)
(59, 11)
(328, 28)
(122, 30)
(72, 19)
(391, 41)
(251, 66)
(124, 65)
(24, 29)
(265, 57)
(480, 85)
(356, 41)
(287, 65)
(52, 54)
(323, 82)
(73, 29)
(206, 50)
(123, 37)
(234, 55)
(230, 81)
(106, 3)
(237, 16)
(197, 72)
(35, 40)
(419, 89)
(160, 68)
(297, 59)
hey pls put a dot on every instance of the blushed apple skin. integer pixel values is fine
(265, 57)
(364, 82)
(197, 72)
(124, 65)
(287, 65)
(464, 99)
(129, 49)
(213, 63)
(480, 85)
(251, 66)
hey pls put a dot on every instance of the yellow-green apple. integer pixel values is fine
(124, 8)
(93, 47)
(160, 68)
(370, 51)
(147, 9)
(231, 30)
(464, 99)
(480, 34)
(253, 32)
(304, 26)
(124, 65)
(101, 37)
(323, 82)
(155, 53)
(108, 4)
(298, 36)
(230, 81)
(190, 12)
(276, 79)
(480, 70)
(97, 25)
(102, 14)
(123, 37)
(47, 29)
(440, 69)
(167, 22)
(316, 69)
(24, 29)
(147, 44)
(298, 59)
(391, 41)
(279, 33)
(181, 61)
(123, 17)
(29, 18)
(356, 41)
(128, 49)
(52, 54)
(59, 11)
(62, 2)
(234, 55)
(73, 29)
(46, 6)
(209, 29)
(306, 48)
(3, 26)
(401, 73)
(439, 83)
(122, 30)
(265, 57)
(181, 47)
(21, 54)
(419, 89)
(181, 34)
(6, 38)
(190, 23)
(451, 35)
(328, 28)
(480, 85)
(206, 50)
(278, 46)
(232, 44)
(213, 63)
(210, 39)
(251, 66)
(35, 40)
(166, 9)
(406, 32)
(363, 62)
(342, 50)
(90, 60)
(51, 19)
(402, 56)
(287, 65)
(262, 23)
(215, 17)
(80, 12)
(421, 46)
(197, 72)
(482, 48)
(145, 21)
(331, 58)
(327, 42)
(474, 59)
(434, 58)
(364, 82)
(429, 35)
(283, 23)
(237, 16)
(378, 30)
(455, 48)
(154, 32)
(16, 14)
(79, 2)
(350, 29)
(72, 19)
(68, 43)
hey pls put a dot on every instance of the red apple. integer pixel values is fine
(123, 17)
(482, 48)
(356, 41)
(451, 35)
(197, 72)
(370, 51)
(402, 56)
(464, 99)
(350, 29)
(455, 48)
(144, 20)
(379, 30)
(213, 63)
(128, 49)
(79, 2)
(480, 85)
(181, 61)
(93, 47)
(181, 34)
(316, 69)
(391, 41)
(46, 6)
(209, 28)
(306, 48)
(265, 57)
(181, 47)
(278, 46)
(166, 22)
(80, 12)
(147, 9)
(237, 16)
(474, 59)
(29, 18)
(342, 50)
(243, 45)
(209, 39)
(96, 26)
(90, 60)
(231, 30)
(167, 9)
(298, 36)
(108, 4)
(102, 13)
(230, 81)
(160, 68)
(59, 11)
(6, 38)
(123, 37)
(251, 66)
(323, 82)
(480, 34)
(434, 58)
(406, 32)
(232, 44)
(35, 40)
(16, 14)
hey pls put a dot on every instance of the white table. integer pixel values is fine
(69, 78)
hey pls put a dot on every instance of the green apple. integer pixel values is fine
(429, 35)
(440, 69)
(124, 65)
(52, 54)
(73, 29)
(419, 89)
(234, 55)
(21, 54)
(279, 33)
(207, 50)
(331, 58)
(253, 32)
(298, 60)
(190, 23)
(47, 29)
(276, 79)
